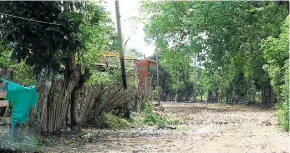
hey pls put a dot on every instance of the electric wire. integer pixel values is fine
(29, 19)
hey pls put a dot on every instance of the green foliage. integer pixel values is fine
(115, 122)
(275, 51)
(282, 113)
(153, 119)
(111, 78)
(101, 78)
(82, 29)
(233, 43)
(17, 72)
(40, 45)
(174, 26)
(97, 32)
(148, 107)
(226, 36)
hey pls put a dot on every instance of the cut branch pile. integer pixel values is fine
(111, 98)
(55, 97)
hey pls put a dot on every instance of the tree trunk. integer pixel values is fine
(210, 97)
(254, 96)
(268, 96)
(127, 112)
(227, 96)
(73, 111)
(216, 98)
(136, 103)
(179, 97)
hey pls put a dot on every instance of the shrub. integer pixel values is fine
(153, 119)
(115, 122)
(148, 107)
(282, 112)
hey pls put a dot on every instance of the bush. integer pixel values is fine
(276, 54)
(152, 119)
(115, 122)
(282, 108)
(148, 107)
(282, 112)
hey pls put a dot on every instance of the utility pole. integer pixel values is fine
(158, 94)
(127, 107)
(120, 44)
(194, 82)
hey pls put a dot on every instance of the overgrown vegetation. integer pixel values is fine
(115, 122)
(151, 118)
(275, 51)
(241, 48)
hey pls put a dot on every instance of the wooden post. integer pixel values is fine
(127, 109)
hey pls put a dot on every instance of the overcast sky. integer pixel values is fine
(129, 9)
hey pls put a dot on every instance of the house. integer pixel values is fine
(142, 71)
(111, 60)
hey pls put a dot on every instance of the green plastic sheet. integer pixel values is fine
(23, 100)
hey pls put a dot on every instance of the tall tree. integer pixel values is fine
(227, 36)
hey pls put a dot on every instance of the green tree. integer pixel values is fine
(277, 57)
(66, 31)
(171, 19)
(227, 37)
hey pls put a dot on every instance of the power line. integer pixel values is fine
(30, 19)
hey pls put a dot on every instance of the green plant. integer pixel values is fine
(153, 119)
(282, 113)
(115, 122)
(148, 107)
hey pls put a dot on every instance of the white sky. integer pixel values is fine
(129, 9)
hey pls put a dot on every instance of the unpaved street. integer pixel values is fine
(204, 128)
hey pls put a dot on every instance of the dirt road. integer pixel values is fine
(204, 128)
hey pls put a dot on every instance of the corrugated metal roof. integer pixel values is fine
(112, 54)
